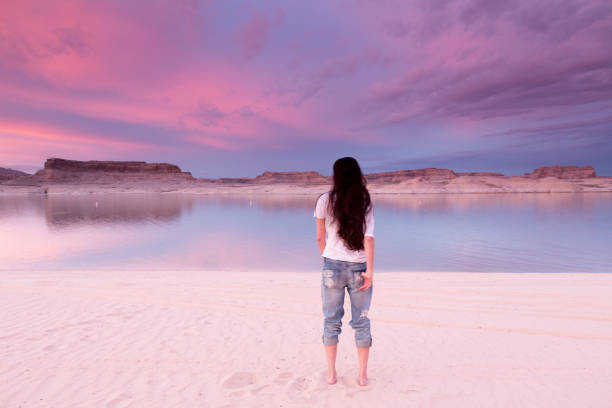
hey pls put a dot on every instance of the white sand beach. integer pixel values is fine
(252, 339)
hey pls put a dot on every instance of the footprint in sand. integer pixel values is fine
(257, 390)
(121, 400)
(305, 387)
(283, 378)
(351, 382)
(240, 379)
(299, 388)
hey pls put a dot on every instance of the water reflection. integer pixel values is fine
(62, 210)
(544, 203)
(469, 232)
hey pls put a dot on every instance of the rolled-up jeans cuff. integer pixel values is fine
(330, 341)
(364, 343)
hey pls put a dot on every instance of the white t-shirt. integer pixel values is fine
(335, 247)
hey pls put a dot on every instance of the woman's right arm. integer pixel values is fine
(321, 234)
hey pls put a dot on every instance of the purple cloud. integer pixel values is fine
(520, 67)
(254, 33)
(388, 78)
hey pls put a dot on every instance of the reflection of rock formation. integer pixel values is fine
(16, 204)
(563, 172)
(420, 203)
(64, 210)
(10, 174)
(125, 209)
(61, 170)
(449, 203)
(266, 202)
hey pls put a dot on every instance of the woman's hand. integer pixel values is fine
(367, 280)
(368, 243)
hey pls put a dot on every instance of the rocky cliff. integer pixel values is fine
(69, 176)
(10, 174)
(276, 177)
(314, 178)
(62, 170)
(111, 166)
(481, 174)
(562, 172)
(302, 177)
(430, 174)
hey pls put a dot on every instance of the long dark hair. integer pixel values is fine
(349, 201)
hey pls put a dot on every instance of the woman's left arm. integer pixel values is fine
(368, 244)
(368, 275)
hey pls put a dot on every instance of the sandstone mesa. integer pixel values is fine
(72, 176)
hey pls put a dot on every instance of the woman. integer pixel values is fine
(345, 234)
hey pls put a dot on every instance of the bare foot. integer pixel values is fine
(331, 378)
(363, 381)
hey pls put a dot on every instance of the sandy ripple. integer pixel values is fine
(183, 339)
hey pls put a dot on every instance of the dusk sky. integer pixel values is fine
(234, 88)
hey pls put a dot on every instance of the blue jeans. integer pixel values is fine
(336, 276)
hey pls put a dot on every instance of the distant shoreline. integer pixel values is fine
(287, 189)
(60, 176)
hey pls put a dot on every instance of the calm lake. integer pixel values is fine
(470, 232)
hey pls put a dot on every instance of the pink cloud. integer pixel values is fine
(213, 76)
(66, 135)
(254, 33)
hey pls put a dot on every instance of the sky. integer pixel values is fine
(234, 88)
